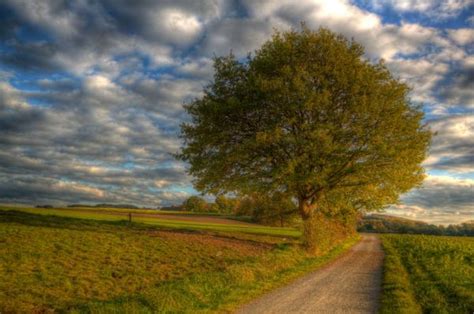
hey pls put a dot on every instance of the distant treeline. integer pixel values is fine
(270, 210)
(390, 224)
(172, 207)
(104, 205)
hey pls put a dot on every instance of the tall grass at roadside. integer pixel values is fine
(398, 295)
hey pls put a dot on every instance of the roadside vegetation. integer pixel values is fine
(50, 263)
(428, 274)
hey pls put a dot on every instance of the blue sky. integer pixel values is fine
(91, 92)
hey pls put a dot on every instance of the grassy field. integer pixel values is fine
(146, 211)
(52, 263)
(114, 214)
(428, 274)
(124, 210)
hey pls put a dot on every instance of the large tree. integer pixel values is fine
(308, 115)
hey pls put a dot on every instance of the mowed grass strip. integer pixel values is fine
(158, 221)
(145, 211)
(428, 274)
(65, 264)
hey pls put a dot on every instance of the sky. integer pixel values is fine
(91, 92)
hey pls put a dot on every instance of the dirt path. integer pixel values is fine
(351, 284)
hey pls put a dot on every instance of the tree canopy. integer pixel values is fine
(309, 116)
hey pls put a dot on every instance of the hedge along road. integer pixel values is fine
(351, 284)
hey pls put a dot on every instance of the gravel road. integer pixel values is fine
(351, 284)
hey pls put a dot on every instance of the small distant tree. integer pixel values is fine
(195, 204)
(226, 205)
(309, 116)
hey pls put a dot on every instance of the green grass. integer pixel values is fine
(109, 215)
(148, 211)
(428, 274)
(64, 264)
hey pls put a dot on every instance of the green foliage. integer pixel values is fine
(196, 204)
(309, 116)
(226, 205)
(428, 274)
(276, 209)
(57, 264)
(321, 233)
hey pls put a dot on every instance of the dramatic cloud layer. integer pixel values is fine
(91, 92)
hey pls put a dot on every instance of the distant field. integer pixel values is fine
(123, 210)
(428, 274)
(146, 211)
(64, 264)
(165, 221)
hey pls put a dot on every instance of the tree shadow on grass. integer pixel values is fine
(107, 226)
(52, 221)
(81, 224)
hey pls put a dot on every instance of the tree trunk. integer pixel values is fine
(309, 227)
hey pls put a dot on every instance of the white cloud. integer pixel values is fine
(240, 36)
(77, 188)
(462, 36)
(98, 82)
(176, 26)
(380, 40)
(437, 8)
(442, 199)
(166, 94)
(44, 14)
(199, 68)
(161, 183)
(100, 91)
(11, 98)
(421, 74)
(453, 146)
